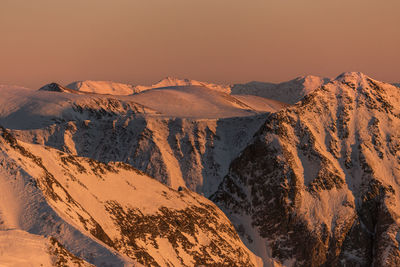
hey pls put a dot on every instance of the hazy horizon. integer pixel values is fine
(224, 41)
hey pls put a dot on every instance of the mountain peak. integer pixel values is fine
(308, 77)
(289, 92)
(351, 77)
(53, 87)
(102, 87)
(173, 81)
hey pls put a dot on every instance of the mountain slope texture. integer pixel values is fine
(301, 173)
(180, 143)
(109, 215)
(319, 185)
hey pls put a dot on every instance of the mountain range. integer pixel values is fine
(188, 173)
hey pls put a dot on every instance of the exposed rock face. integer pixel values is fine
(110, 215)
(314, 184)
(319, 184)
(55, 87)
(193, 153)
(62, 257)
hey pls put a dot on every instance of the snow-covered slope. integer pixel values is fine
(22, 108)
(178, 152)
(323, 168)
(197, 102)
(55, 87)
(109, 215)
(171, 81)
(183, 98)
(102, 87)
(114, 88)
(259, 103)
(20, 248)
(186, 142)
(319, 185)
(288, 92)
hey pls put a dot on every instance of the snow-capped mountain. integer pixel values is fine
(319, 185)
(102, 87)
(114, 88)
(182, 140)
(288, 92)
(74, 209)
(55, 87)
(201, 102)
(311, 159)
(171, 81)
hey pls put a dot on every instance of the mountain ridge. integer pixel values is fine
(322, 167)
(312, 173)
(114, 88)
(111, 214)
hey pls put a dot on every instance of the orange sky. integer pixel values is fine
(142, 41)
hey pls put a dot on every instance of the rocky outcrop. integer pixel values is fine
(55, 87)
(193, 153)
(313, 184)
(320, 180)
(110, 214)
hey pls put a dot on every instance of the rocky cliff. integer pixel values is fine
(319, 185)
